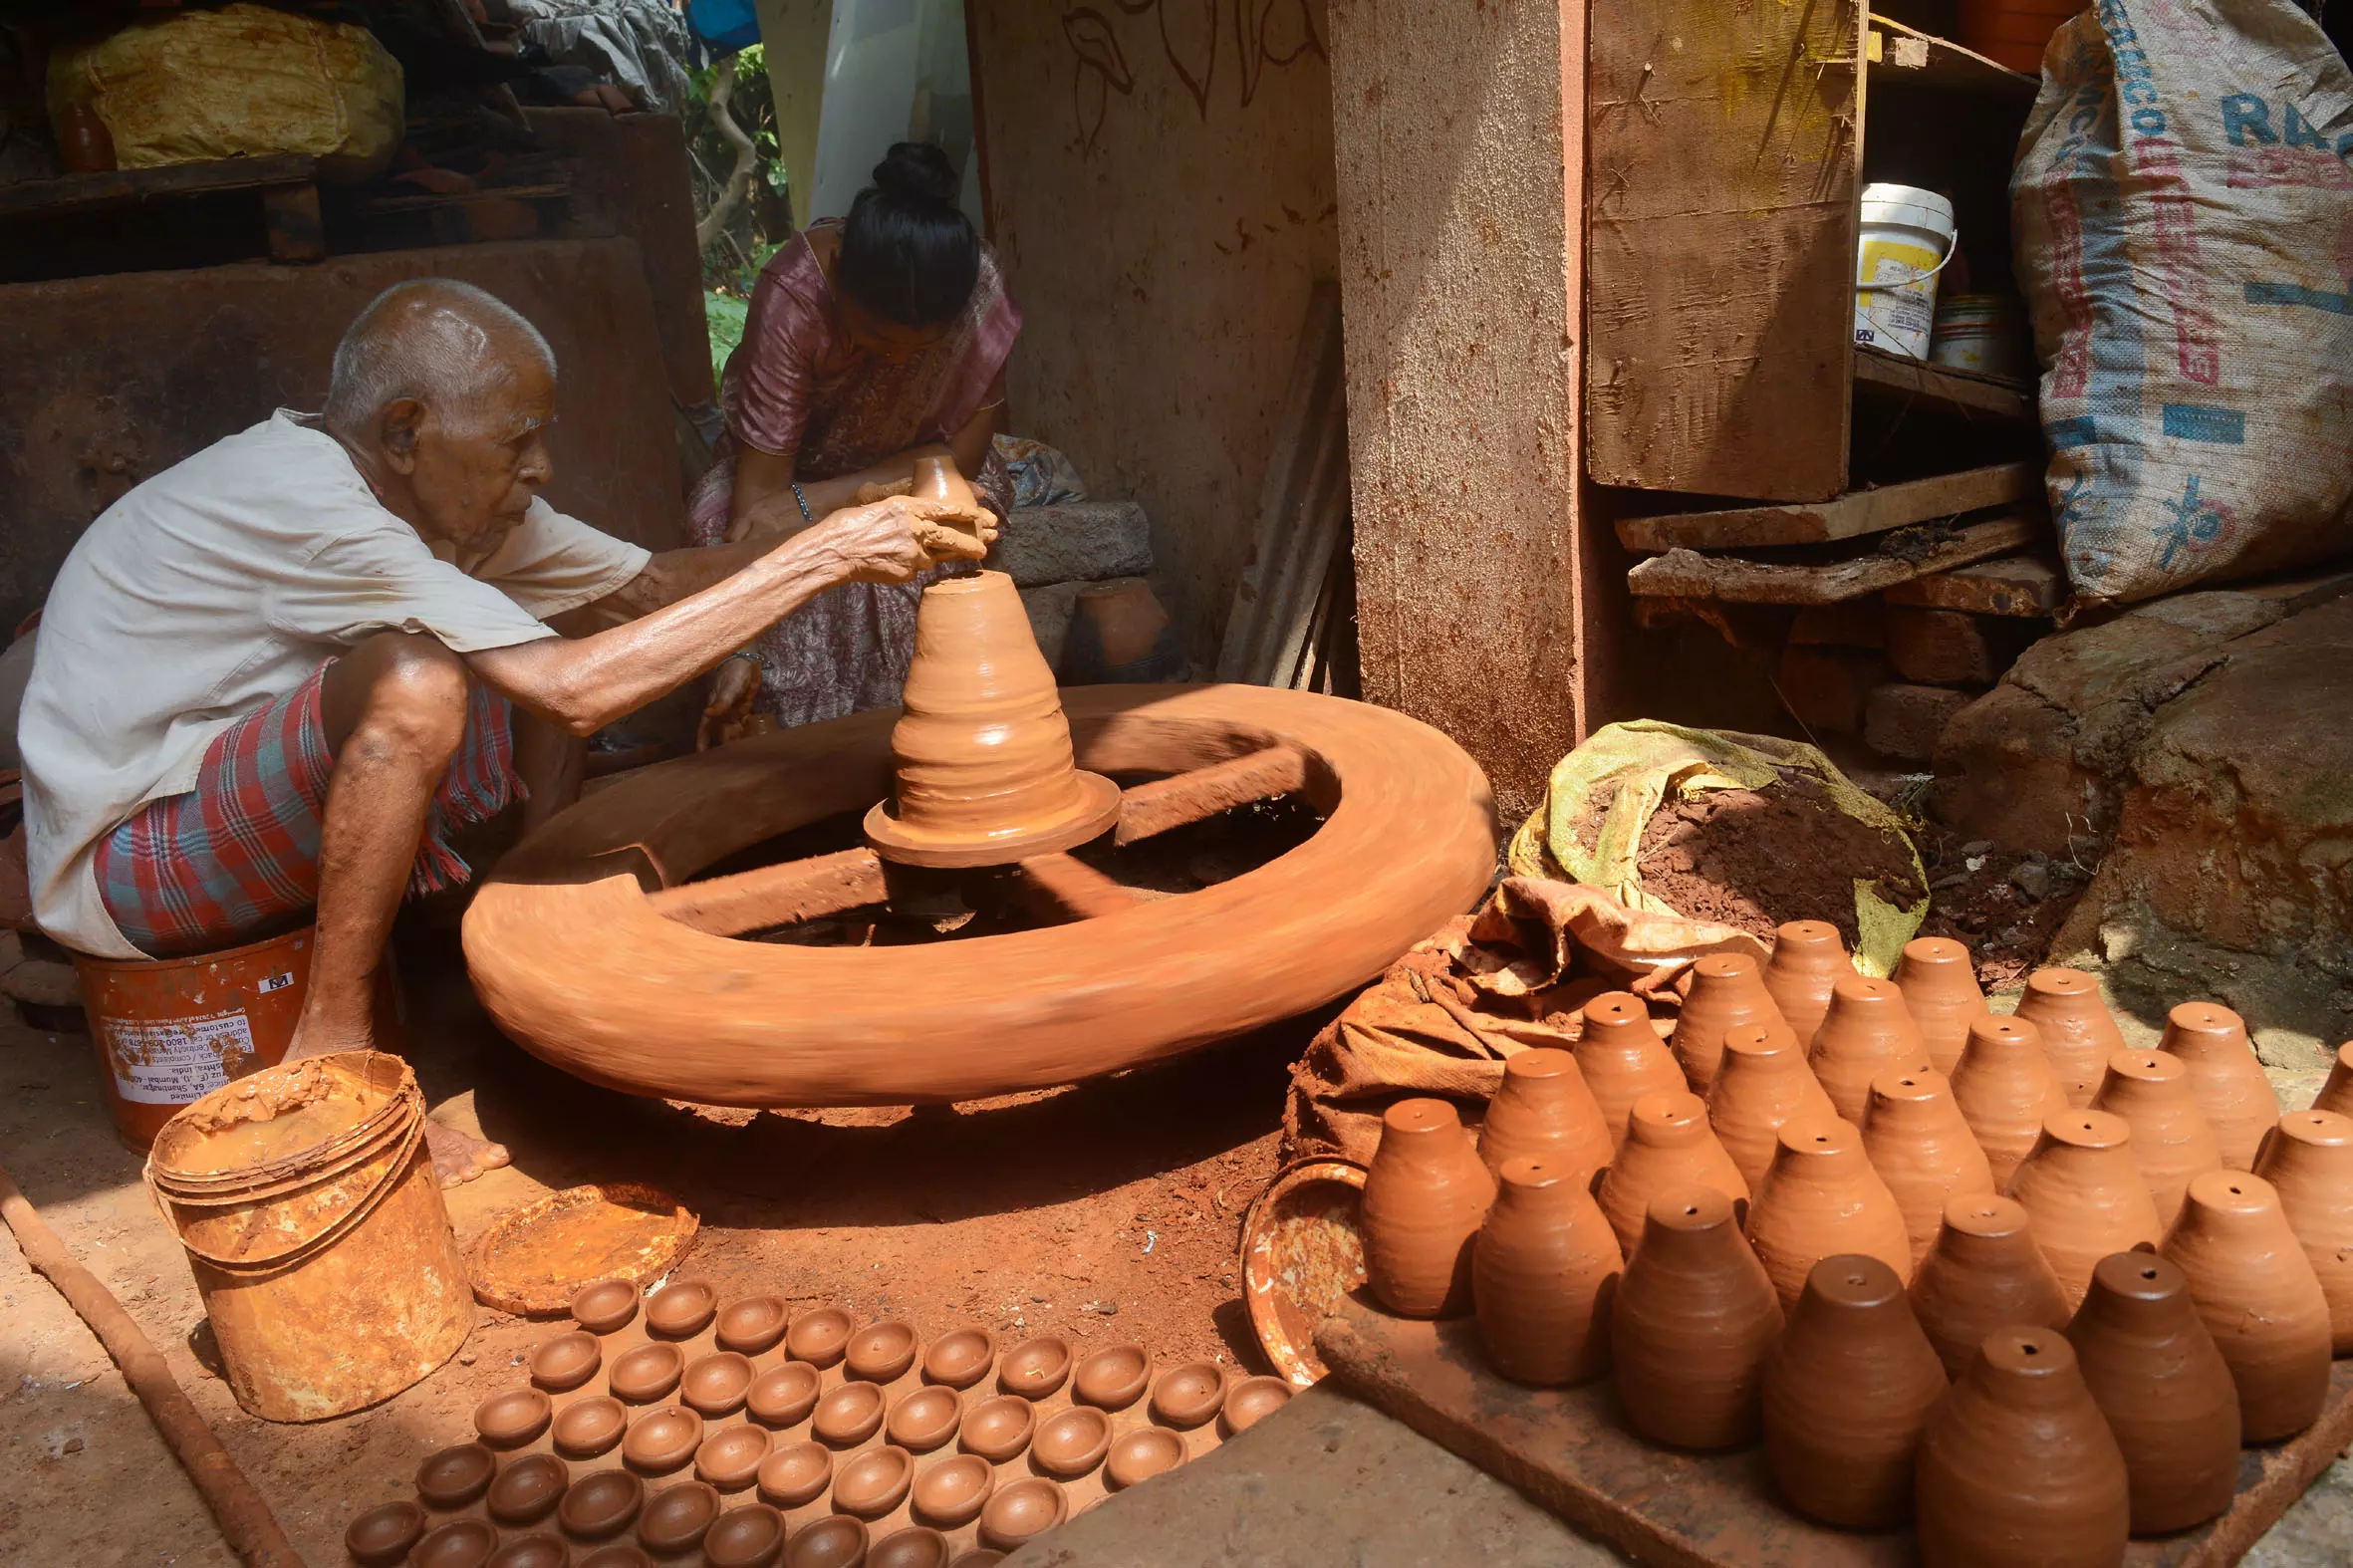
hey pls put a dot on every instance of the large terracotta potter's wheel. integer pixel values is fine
(595, 945)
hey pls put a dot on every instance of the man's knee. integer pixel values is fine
(403, 685)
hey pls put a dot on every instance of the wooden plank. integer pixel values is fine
(1302, 429)
(1570, 1450)
(120, 186)
(775, 894)
(1688, 574)
(1872, 511)
(1967, 395)
(1724, 149)
(1158, 804)
(1065, 888)
(2027, 586)
(1909, 57)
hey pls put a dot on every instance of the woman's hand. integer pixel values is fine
(735, 685)
(890, 541)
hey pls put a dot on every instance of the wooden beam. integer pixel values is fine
(1909, 56)
(121, 186)
(1066, 887)
(1164, 804)
(1850, 517)
(1967, 395)
(1688, 574)
(755, 900)
(2024, 586)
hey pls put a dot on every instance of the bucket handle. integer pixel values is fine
(1952, 249)
(360, 1211)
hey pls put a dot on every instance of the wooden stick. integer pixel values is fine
(245, 1520)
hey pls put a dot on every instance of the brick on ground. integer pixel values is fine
(1903, 720)
(1824, 687)
(1951, 647)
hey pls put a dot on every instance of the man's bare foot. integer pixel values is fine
(458, 1158)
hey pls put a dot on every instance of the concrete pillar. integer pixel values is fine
(794, 33)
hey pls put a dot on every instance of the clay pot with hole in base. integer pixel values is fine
(2337, 1093)
(1982, 1271)
(566, 1361)
(2224, 1076)
(2261, 1300)
(751, 1536)
(1425, 1193)
(1622, 1058)
(1866, 1031)
(752, 1325)
(950, 1492)
(2078, 1032)
(1808, 958)
(1668, 1148)
(1846, 1392)
(2309, 1161)
(1939, 980)
(527, 1490)
(1821, 1199)
(1020, 1510)
(673, 1520)
(1544, 1111)
(2085, 1196)
(682, 1310)
(605, 1307)
(589, 1427)
(960, 1358)
(2006, 1090)
(1914, 1137)
(2164, 1387)
(381, 1536)
(1543, 1269)
(796, 1474)
(1727, 993)
(1692, 1325)
(2017, 1468)
(2171, 1140)
(730, 1458)
(1761, 1085)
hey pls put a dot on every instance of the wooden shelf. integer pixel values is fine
(122, 187)
(1686, 573)
(1968, 394)
(1903, 56)
(1859, 512)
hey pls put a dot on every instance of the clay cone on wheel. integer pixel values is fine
(2006, 1090)
(2225, 1077)
(2309, 1161)
(1543, 1269)
(1727, 993)
(1544, 1111)
(1426, 1195)
(1693, 1324)
(2337, 1093)
(2017, 1468)
(2171, 1141)
(2164, 1387)
(1916, 1139)
(1807, 960)
(1821, 1199)
(2078, 1032)
(982, 754)
(1939, 980)
(2085, 1195)
(1981, 1272)
(1762, 1085)
(1623, 1058)
(1668, 1149)
(2259, 1298)
(1867, 1030)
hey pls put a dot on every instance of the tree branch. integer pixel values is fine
(747, 158)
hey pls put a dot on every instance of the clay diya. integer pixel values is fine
(2085, 1196)
(718, 1384)
(454, 1477)
(998, 1428)
(1141, 1454)
(880, 1352)
(1808, 958)
(600, 1505)
(1020, 1510)
(682, 1310)
(1188, 1395)
(951, 1491)
(1847, 1393)
(2337, 1093)
(783, 1396)
(2259, 1298)
(2018, 1470)
(1542, 1269)
(912, 1547)
(1822, 1198)
(1622, 1058)
(924, 1418)
(836, 1541)
(849, 1415)
(1425, 1192)
(751, 1325)
(818, 1337)
(1727, 993)
(566, 1361)
(1914, 1137)
(2309, 1162)
(619, 1554)
(795, 1475)
(662, 1441)
(1668, 1149)
(381, 1537)
(746, 1537)
(2078, 1032)
(514, 1418)
(1251, 1401)
(605, 1307)
(2164, 1389)
(674, 1521)
(1544, 1110)
(589, 1427)
(2006, 1090)
(1866, 1031)
(461, 1544)
(2171, 1139)
(1761, 1085)
(730, 1458)
(1112, 1377)
(539, 1549)
(1035, 1368)
(872, 1483)
(2224, 1076)
(645, 1373)
(960, 1358)
(1073, 1443)
(1940, 986)
(528, 1490)
(1982, 1272)
(1691, 1324)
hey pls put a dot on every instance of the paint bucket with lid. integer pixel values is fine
(1984, 333)
(1905, 240)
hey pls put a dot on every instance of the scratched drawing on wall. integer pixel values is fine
(1191, 36)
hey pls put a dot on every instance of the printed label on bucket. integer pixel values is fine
(178, 1061)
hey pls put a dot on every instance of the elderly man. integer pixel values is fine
(272, 680)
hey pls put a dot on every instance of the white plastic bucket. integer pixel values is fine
(1907, 238)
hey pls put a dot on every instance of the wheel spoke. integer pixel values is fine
(753, 901)
(1065, 888)
(1162, 804)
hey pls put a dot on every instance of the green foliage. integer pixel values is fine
(725, 314)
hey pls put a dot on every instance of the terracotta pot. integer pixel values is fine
(1727, 993)
(1761, 1085)
(2225, 1077)
(1623, 1058)
(1982, 1271)
(2006, 1090)
(2171, 1140)
(1822, 1199)
(1425, 1193)
(1916, 1139)
(2259, 1298)
(2017, 1468)
(1846, 1392)
(1542, 1273)
(1544, 1111)
(2085, 1195)
(2164, 1387)
(2309, 1162)
(85, 143)
(1691, 1326)
(1866, 1031)
(2337, 1093)
(1668, 1149)
(2078, 1032)
(1939, 980)
(1807, 960)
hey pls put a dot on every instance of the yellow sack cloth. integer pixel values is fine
(1646, 762)
(241, 81)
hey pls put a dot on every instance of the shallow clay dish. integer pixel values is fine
(751, 1325)
(1022, 1509)
(662, 1441)
(872, 1483)
(533, 1260)
(539, 1549)
(674, 1521)
(605, 1307)
(912, 1547)
(1141, 1454)
(978, 1557)
(880, 1352)
(621, 1554)
(647, 1374)
(730, 1458)
(1303, 1250)
(796, 1474)
(836, 1541)
(783, 1396)
(1252, 1401)
(1073, 1443)
(1189, 1394)
(381, 1536)
(454, 1477)
(512, 1418)
(746, 1537)
(566, 1361)
(997, 1429)
(528, 1489)
(1112, 1378)
(718, 1384)
(818, 1337)
(599, 1505)
(461, 1544)
(682, 1310)
(924, 1418)
(950, 1492)
(849, 1415)
(589, 1427)
(1035, 1368)
(960, 1358)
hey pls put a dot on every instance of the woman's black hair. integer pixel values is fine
(909, 253)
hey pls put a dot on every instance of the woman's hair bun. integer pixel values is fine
(918, 171)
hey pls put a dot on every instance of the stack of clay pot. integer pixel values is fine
(2000, 1275)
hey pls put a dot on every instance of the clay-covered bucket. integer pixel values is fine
(314, 1225)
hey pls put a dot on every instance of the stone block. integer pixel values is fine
(1824, 687)
(1902, 721)
(1050, 609)
(1851, 623)
(1950, 648)
(1075, 541)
